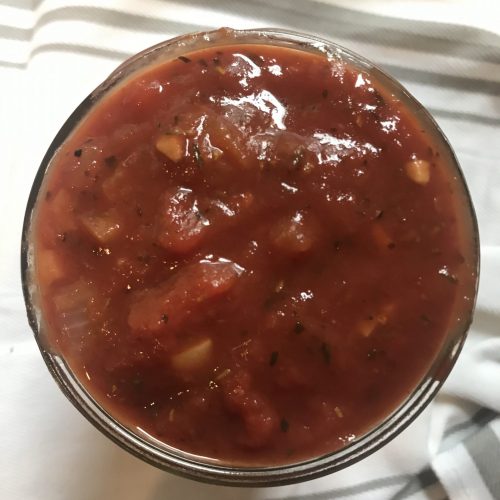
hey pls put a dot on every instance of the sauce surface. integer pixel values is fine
(249, 253)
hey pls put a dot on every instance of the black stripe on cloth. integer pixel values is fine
(356, 17)
(400, 73)
(365, 487)
(137, 22)
(101, 16)
(372, 33)
(479, 419)
(441, 80)
(425, 480)
(437, 31)
(484, 449)
(342, 22)
(464, 117)
(428, 44)
(487, 42)
(122, 55)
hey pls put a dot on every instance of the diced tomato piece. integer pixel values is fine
(326, 410)
(166, 306)
(259, 418)
(224, 136)
(73, 296)
(226, 209)
(126, 132)
(103, 228)
(118, 186)
(125, 181)
(87, 164)
(240, 202)
(294, 235)
(212, 137)
(77, 306)
(369, 324)
(180, 224)
(290, 376)
(130, 268)
(173, 146)
(419, 171)
(62, 207)
(49, 266)
(193, 358)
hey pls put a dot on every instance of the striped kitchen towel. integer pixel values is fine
(53, 52)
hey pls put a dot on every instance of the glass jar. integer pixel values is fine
(171, 459)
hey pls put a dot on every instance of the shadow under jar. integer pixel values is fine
(250, 257)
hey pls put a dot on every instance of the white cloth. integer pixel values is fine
(52, 53)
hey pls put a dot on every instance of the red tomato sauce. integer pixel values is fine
(250, 253)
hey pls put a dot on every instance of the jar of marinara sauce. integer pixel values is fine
(250, 257)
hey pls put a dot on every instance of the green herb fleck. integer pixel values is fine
(268, 303)
(137, 381)
(110, 161)
(298, 157)
(299, 327)
(325, 351)
(197, 155)
(378, 98)
(258, 60)
(372, 353)
(445, 273)
(274, 358)
(284, 425)
(100, 251)
(145, 258)
(425, 319)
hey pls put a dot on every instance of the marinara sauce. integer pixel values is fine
(250, 253)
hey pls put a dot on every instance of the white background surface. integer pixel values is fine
(48, 451)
